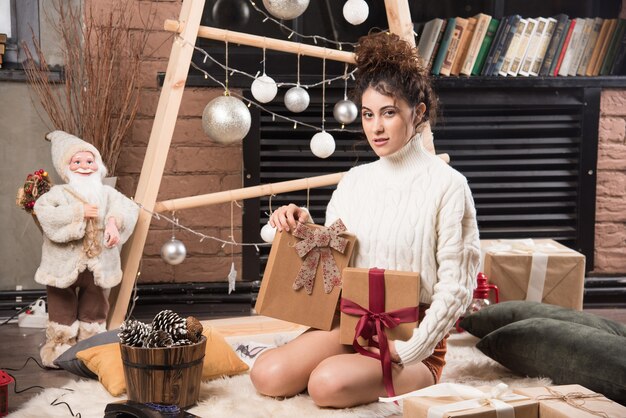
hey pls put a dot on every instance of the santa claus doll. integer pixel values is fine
(84, 224)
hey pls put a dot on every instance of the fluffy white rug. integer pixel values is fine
(236, 397)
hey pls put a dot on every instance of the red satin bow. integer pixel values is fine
(374, 320)
(316, 245)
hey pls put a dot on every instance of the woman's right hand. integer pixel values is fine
(287, 217)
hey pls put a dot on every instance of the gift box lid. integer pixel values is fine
(525, 247)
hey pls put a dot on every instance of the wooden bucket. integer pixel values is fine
(168, 375)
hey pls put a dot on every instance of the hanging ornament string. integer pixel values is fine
(345, 111)
(345, 81)
(298, 69)
(315, 38)
(232, 221)
(323, 91)
(323, 144)
(270, 205)
(264, 60)
(308, 189)
(232, 274)
(226, 92)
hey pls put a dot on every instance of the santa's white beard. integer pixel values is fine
(90, 187)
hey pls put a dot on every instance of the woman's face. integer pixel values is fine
(388, 122)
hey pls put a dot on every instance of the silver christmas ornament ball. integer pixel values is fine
(226, 120)
(268, 232)
(286, 9)
(322, 144)
(356, 11)
(297, 99)
(264, 88)
(345, 111)
(173, 252)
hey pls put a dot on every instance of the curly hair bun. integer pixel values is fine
(393, 67)
(385, 51)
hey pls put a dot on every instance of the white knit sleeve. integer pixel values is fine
(335, 205)
(458, 255)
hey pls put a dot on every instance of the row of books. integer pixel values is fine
(3, 41)
(516, 46)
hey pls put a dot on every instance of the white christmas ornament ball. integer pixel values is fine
(297, 99)
(264, 89)
(286, 9)
(345, 111)
(322, 144)
(226, 120)
(356, 11)
(173, 252)
(268, 232)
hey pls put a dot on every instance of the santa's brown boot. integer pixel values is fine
(89, 329)
(58, 339)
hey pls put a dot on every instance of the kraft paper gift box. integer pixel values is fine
(302, 278)
(382, 303)
(401, 290)
(580, 402)
(467, 402)
(540, 270)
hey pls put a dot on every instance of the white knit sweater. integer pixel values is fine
(413, 212)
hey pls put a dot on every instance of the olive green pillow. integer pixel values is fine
(566, 352)
(495, 316)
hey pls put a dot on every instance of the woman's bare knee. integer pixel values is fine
(273, 377)
(266, 375)
(327, 389)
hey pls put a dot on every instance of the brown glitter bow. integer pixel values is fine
(316, 245)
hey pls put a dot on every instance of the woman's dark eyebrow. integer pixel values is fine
(381, 109)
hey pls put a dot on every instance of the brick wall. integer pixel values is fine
(610, 237)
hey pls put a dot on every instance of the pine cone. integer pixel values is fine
(194, 329)
(158, 338)
(172, 323)
(184, 341)
(133, 333)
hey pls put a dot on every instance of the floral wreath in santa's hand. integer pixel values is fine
(36, 185)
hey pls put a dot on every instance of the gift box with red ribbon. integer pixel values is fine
(302, 278)
(382, 303)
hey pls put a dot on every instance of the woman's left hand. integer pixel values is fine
(395, 358)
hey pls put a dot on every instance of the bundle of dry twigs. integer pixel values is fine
(103, 46)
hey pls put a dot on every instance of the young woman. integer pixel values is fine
(410, 211)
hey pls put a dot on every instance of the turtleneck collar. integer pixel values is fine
(410, 156)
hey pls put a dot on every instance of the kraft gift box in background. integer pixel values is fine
(292, 252)
(569, 401)
(540, 270)
(401, 290)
